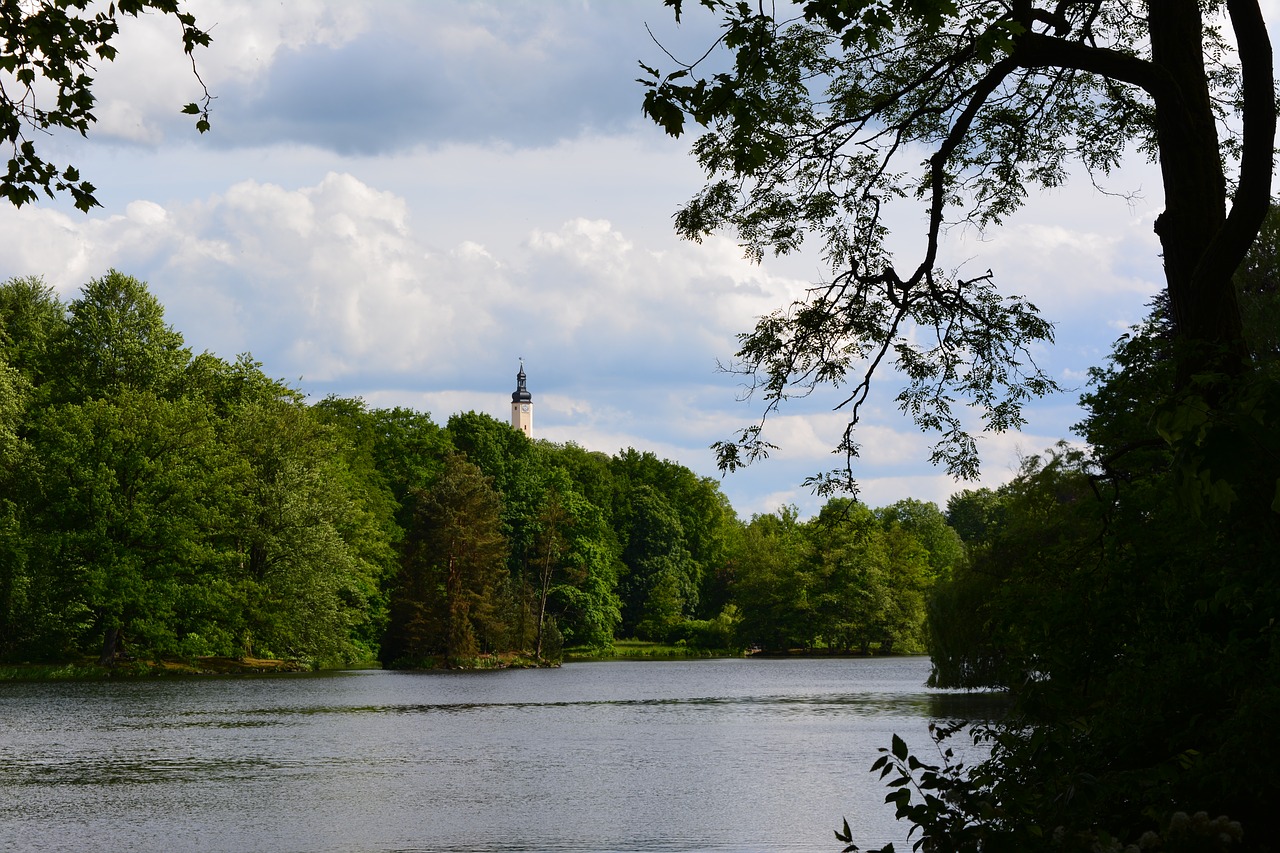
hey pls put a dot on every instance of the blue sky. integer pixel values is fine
(399, 200)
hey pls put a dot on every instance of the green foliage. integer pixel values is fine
(448, 596)
(673, 526)
(577, 566)
(1127, 599)
(312, 540)
(974, 513)
(118, 508)
(1126, 595)
(48, 53)
(160, 505)
(770, 583)
(1258, 284)
(849, 580)
(943, 547)
(828, 113)
(115, 337)
(31, 320)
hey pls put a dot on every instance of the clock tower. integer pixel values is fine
(522, 405)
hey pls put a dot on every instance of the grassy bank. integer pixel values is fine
(89, 670)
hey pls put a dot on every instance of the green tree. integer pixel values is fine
(827, 107)
(550, 546)
(908, 579)
(925, 522)
(849, 560)
(702, 512)
(1132, 629)
(120, 515)
(447, 603)
(772, 583)
(973, 514)
(49, 51)
(660, 585)
(1258, 283)
(591, 471)
(518, 470)
(410, 450)
(116, 337)
(311, 537)
(13, 570)
(32, 318)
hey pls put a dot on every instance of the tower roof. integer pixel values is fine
(521, 394)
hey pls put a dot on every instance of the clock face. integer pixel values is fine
(525, 407)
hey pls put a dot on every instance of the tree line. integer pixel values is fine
(163, 504)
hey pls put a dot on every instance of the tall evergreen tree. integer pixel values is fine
(449, 600)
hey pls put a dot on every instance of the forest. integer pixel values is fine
(164, 505)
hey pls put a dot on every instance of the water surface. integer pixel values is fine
(708, 755)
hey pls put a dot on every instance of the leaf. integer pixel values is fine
(191, 109)
(899, 748)
(666, 114)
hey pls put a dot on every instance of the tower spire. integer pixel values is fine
(522, 404)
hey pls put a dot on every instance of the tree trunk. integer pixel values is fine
(112, 646)
(1202, 299)
(542, 600)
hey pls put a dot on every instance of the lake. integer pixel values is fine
(704, 755)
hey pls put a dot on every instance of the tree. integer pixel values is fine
(447, 602)
(312, 533)
(973, 514)
(31, 320)
(850, 560)
(772, 583)
(1258, 283)
(1134, 634)
(1128, 601)
(121, 510)
(410, 450)
(115, 337)
(13, 574)
(818, 125)
(550, 542)
(702, 513)
(48, 50)
(660, 586)
(925, 522)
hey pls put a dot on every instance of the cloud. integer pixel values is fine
(334, 282)
(379, 77)
(399, 200)
(140, 93)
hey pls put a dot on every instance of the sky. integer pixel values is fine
(399, 201)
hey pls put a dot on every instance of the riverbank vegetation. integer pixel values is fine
(165, 506)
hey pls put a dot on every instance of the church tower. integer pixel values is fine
(522, 405)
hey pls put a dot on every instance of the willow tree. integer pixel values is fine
(829, 110)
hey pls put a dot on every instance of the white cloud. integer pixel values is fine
(517, 207)
(141, 91)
